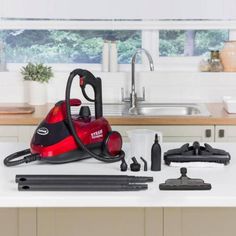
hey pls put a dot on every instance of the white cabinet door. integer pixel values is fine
(225, 133)
(16, 133)
(9, 133)
(174, 133)
(26, 133)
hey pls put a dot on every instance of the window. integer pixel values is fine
(190, 42)
(67, 46)
(173, 44)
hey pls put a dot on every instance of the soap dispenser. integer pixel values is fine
(156, 155)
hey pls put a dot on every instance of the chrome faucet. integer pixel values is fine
(133, 99)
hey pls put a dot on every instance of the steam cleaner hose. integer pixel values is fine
(108, 159)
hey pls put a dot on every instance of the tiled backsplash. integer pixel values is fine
(160, 86)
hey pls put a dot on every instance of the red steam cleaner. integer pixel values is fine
(62, 137)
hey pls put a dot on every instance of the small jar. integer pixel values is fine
(215, 62)
(204, 65)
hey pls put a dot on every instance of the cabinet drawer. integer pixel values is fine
(9, 133)
(174, 133)
(16, 133)
(225, 133)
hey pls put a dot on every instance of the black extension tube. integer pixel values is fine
(91, 187)
(84, 178)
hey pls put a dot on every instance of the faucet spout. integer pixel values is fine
(133, 95)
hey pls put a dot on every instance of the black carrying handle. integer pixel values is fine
(87, 78)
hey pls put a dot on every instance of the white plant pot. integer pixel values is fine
(36, 93)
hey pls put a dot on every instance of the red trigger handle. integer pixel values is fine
(75, 102)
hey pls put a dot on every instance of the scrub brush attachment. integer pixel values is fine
(184, 183)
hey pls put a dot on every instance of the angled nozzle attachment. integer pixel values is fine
(145, 164)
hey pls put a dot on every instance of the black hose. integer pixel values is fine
(109, 159)
(8, 161)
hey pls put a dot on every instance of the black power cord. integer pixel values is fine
(8, 161)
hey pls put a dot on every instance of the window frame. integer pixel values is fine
(150, 38)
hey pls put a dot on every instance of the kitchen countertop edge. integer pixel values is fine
(218, 117)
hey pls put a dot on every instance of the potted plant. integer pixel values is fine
(36, 75)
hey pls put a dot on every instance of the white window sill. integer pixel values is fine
(11, 74)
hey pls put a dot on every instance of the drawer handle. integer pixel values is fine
(221, 133)
(208, 133)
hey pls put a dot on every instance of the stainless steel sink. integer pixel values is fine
(153, 109)
(168, 109)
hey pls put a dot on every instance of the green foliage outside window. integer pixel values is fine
(190, 42)
(67, 46)
(85, 46)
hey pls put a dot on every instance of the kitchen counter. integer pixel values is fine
(222, 194)
(218, 117)
(25, 119)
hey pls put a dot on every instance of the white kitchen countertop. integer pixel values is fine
(222, 194)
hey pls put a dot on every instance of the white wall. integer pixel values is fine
(160, 86)
(122, 9)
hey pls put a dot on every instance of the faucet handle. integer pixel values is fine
(141, 99)
(123, 98)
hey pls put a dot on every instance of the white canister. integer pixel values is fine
(2, 57)
(141, 142)
(113, 57)
(105, 56)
